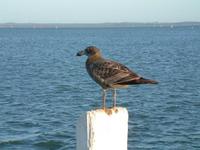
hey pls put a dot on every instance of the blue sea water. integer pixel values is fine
(44, 87)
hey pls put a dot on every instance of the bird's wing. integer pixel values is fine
(112, 72)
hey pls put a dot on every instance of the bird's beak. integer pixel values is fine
(80, 53)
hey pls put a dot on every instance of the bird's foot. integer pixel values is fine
(107, 111)
(115, 109)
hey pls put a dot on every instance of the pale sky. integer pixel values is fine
(98, 11)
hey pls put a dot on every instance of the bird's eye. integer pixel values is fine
(89, 51)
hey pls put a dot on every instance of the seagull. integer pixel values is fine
(110, 75)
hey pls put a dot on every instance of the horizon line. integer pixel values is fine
(123, 22)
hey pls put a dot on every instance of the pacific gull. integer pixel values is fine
(110, 74)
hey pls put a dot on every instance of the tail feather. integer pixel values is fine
(140, 81)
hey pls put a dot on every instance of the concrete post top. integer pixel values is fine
(109, 111)
(103, 129)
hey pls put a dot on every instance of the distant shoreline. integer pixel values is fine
(96, 25)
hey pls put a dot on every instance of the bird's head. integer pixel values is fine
(89, 51)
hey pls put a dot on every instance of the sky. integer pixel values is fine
(98, 11)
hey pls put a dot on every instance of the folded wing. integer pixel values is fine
(112, 73)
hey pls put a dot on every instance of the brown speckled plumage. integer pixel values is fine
(110, 74)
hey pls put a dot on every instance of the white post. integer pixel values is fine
(98, 130)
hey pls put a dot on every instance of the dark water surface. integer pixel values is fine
(44, 87)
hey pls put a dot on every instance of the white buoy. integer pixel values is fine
(98, 130)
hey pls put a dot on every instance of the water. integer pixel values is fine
(44, 87)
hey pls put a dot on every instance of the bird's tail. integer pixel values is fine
(140, 81)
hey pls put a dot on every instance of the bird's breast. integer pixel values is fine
(95, 75)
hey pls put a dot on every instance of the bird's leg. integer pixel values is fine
(109, 112)
(114, 98)
(104, 99)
